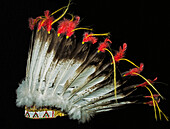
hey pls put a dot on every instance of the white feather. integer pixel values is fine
(35, 51)
(45, 67)
(64, 66)
(86, 89)
(82, 78)
(38, 65)
(71, 70)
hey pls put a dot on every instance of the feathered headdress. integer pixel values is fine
(65, 76)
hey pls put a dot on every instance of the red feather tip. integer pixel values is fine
(150, 103)
(154, 95)
(33, 22)
(46, 22)
(88, 38)
(133, 71)
(104, 45)
(146, 83)
(47, 14)
(67, 26)
(121, 53)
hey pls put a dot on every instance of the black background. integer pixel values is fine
(142, 25)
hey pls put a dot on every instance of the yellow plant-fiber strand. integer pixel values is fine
(72, 16)
(79, 29)
(62, 14)
(149, 84)
(160, 111)
(82, 29)
(104, 34)
(129, 62)
(153, 101)
(114, 68)
(58, 10)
